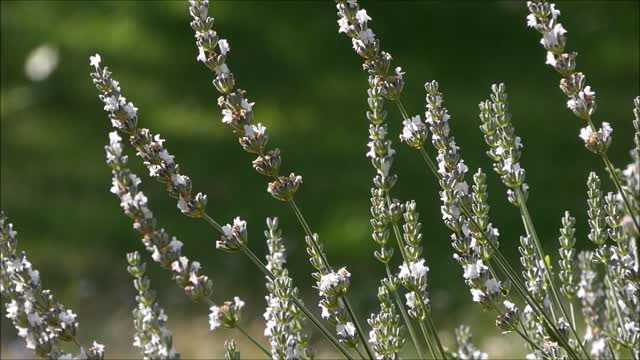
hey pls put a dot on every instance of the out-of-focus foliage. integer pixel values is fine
(311, 93)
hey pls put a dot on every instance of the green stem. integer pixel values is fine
(254, 341)
(424, 333)
(573, 315)
(405, 317)
(300, 305)
(431, 326)
(536, 240)
(309, 233)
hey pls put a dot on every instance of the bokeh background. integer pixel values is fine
(310, 92)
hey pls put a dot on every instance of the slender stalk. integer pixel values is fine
(300, 305)
(425, 332)
(212, 222)
(405, 317)
(254, 341)
(573, 315)
(536, 240)
(432, 328)
(344, 298)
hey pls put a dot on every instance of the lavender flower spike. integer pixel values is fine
(41, 321)
(149, 146)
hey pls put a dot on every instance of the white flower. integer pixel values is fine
(214, 318)
(348, 330)
(246, 105)
(551, 38)
(343, 23)
(34, 319)
(362, 17)
(253, 131)
(175, 245)
(551, 59)
(67, 317)
(97, 348)
(585, 133)
(554, 13)
(367, 36)
(477, 294)
(412, 127)
(239, 304)
(606, 130)
(509, 305)
(325, 312)
(110, 103)
(131, 110)
(474, 270)
(329, 281)
(223, 45)
(598, 346)
(183, 205)
(411, 299)
(12, 310)
(202, 55)
(532, 21)
(492, 285)
(415, 269)
(95, 60)
(221, 69)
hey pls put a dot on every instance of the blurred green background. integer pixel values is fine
(310, 92)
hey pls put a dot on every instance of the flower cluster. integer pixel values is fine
(567, 254)
(466, 348)
(152, 336)
(386, 336)
(149, 146)
(597, 224)
(231, 350)
(164, 249)
(237, 110)
(41, 321)
(414, 132)
(227, 314)
(332, 285)
(413, 276)
(455, 197)
(543, 17)
(591, 295)
(284, 320)
(234, 236)
(504, 145)
(534, 271)
(413, 272)
(597, 141)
